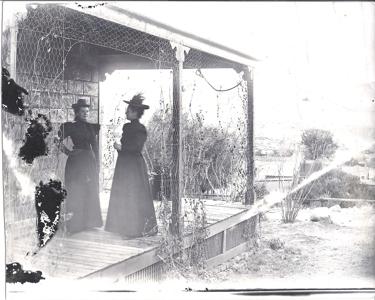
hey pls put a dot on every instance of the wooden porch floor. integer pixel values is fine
(91, 253)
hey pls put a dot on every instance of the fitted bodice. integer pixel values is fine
(134, 136)
(84, 135)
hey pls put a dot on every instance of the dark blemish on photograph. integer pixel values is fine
(15, 274)
(12, 94)
(34, 143)
(48, 199)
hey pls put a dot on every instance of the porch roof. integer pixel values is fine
(115, 14)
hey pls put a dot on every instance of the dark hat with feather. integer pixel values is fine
(137, 101)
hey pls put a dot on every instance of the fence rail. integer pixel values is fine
(343, 200)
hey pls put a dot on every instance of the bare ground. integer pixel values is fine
(306, 254)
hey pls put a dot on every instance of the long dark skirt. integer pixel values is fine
(82, 185)
(131, 211)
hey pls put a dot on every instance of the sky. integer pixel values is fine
(317, 65)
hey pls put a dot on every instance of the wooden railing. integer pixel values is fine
(325, 200)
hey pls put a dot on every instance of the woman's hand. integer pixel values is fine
(64, 149)
(117, 146)
(56, 140)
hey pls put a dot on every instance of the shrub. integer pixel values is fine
(213, 159)
(276, 244)
(337, 184)
(260, 190)
(318, 144)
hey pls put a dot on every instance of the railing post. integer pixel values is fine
(177, 166)
(250, 192)
(224, 242)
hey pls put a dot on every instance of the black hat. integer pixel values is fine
(80, 103)
(5, 72)
(136, 101)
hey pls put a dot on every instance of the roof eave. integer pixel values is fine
(135, 21)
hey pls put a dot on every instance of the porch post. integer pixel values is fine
(177, 165)
(250, 192)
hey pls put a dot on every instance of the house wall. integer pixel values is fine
(52, 96)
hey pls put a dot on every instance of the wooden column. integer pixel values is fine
(250, 192)
(100, 144)
(177, 166)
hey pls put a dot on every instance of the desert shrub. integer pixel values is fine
(213, 158)
(276, 244)
(338, 184)
(333, 184)
(318, 144)
(260, 190)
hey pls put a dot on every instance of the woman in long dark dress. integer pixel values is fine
(82, 170)
(131, 210)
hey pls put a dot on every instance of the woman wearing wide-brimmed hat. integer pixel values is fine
(81, 170)
(131, 210)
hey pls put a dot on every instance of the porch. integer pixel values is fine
(97, 253)
(73, 58)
